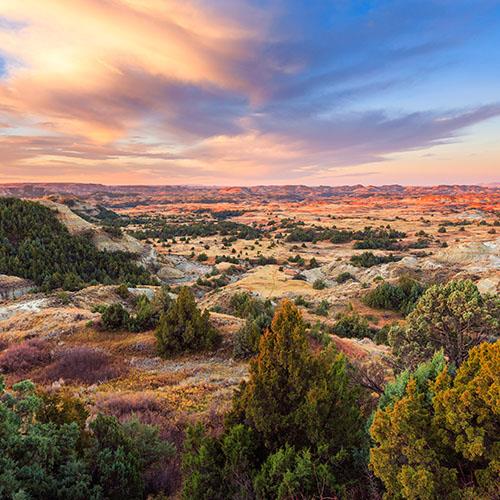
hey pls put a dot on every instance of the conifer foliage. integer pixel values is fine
(453, 317)
(184, 327)
(47, 451)
(439, 438)
(35, 245)
(295, 430)
(294, 396)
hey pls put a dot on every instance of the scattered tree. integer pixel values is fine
(454, 317)
(184, 327)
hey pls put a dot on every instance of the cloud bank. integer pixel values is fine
(225, 91)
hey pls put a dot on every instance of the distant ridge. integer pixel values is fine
(114, 195)
(76, 187)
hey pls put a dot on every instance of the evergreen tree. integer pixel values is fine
(35, 245)
(184, 327)
(296, 397)
(454, 317)
(295, 430)
(296, 423)
(436, 434)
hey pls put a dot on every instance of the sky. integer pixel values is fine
(246, 92)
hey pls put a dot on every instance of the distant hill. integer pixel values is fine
(215, 194)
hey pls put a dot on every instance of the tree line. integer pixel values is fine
(35, 245)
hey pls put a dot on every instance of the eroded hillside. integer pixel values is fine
(354, 271)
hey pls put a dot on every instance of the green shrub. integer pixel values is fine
(319, 284)
(368, 259)
(343, 277)
(313, 263)
(400, 297)
(454, 317)
(258, 314)
(145, 316)
(323, 308)
(381, 336)
(245, 305)
(300, 301)
(184, 327)
(290, 474)
(122, 291)
(47, 451)
(320, 333)
(115, 317)
(63, 298)
(352, 325)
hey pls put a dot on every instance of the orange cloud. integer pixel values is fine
(82, 50)
(196, 91)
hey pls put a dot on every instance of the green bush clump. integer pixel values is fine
(46, 450)
(352, 325)
(454, 317)
(377, 244)
(245, 305)
(313, 263)
(343, 277)
(319, 284)
(323, 308)
(144, 316)
(368, 259)
(229, 229)
(258, 314)
(115, 317)
(184, 327)
(401, 296)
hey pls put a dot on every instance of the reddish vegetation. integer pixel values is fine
(135, 404)
(82, 365)
(149, 410)
(23, 357)
(348, 348)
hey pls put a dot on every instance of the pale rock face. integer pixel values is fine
(489, 285)
(12, 287)
(472, 256)
(26, 306)
(148, 292)
(179, 270)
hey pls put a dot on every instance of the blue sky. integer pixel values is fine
(243, 92)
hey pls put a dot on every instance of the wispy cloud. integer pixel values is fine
(216, 90)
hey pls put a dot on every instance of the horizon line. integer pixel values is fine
(61, 183)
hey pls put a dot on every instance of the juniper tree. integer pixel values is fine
(184, 327)
(435, 433)
(453, 317)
